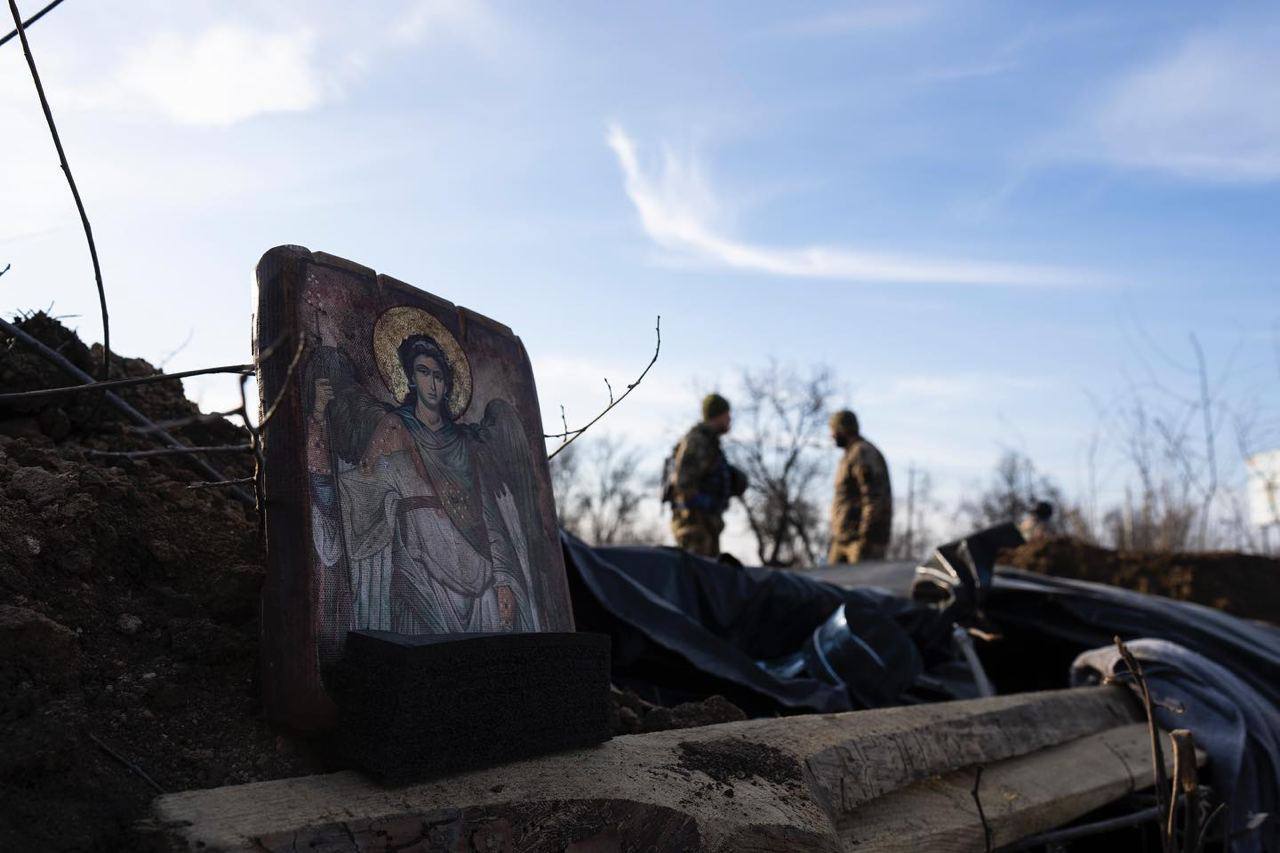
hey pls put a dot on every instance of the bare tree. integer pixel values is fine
(1016, 485)
(600, 491)
(1167, 434)
(1014, 488)
(914, 536)
(780, 444)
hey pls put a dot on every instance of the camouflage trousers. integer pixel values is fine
(857, 551)
(697, 532)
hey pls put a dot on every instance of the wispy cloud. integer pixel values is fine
(467, 21)
(679, 212)
(1208, 110)
(226, 74)
(217, 71)
(873, 17)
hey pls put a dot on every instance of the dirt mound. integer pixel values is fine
(127, 611)
(632, 715)
(1243, 584)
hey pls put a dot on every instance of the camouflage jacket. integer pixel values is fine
(863, 506)
(701, 477)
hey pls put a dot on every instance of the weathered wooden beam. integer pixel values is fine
(1020, 797)
(777, 784)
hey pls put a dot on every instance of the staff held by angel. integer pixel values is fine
(421, 523)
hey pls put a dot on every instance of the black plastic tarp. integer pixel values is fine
(1080, 615)
(684, 627)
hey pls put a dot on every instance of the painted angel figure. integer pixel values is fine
(421, 523)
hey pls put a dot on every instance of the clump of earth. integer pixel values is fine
(1246, 585)
(129, 612)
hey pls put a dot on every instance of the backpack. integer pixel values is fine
(667, 485)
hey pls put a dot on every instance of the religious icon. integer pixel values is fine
(415, 497)
(423, 514)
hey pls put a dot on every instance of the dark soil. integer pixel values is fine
(129, 614)
(1243, 584)
(633, 715)
(128, 611)
(727, 760)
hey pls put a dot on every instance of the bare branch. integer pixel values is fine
(191, 333)
(178, 423)
(71, 182)
(122, 383)
(6, 269)
(569, 436)
(133, 768)
(170, 451)
(288, 376)
(209, 484)
(1210, 442)
(29, 21)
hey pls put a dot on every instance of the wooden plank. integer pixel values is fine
(775, 784)
(1020, 797)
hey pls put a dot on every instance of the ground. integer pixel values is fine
(129, 621)
(129, 615)
(1243, 584)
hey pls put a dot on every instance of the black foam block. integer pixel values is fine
(413, 708)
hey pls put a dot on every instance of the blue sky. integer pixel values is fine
(987, 218)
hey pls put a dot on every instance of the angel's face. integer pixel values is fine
(429, 380)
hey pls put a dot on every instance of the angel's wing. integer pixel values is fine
(353, 413)
(512, 462)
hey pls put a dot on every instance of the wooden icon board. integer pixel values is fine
(406, 486)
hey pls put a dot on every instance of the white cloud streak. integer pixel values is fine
(677, 210)
(1206, 111)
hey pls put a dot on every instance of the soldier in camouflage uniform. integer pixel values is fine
(701, 481)
(1038, 524)
(862, 511)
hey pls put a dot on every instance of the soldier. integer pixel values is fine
(862, 512)
(701, 481)
(1038, 524)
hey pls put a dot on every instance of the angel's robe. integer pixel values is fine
(431, 532)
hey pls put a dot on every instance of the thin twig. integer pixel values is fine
(208, 484)
(259, 506)
(142, 774)
(171, 451)
(29, 21)
(1157, 755)
(129, 411)
(6, 269)
(569, 436)
(43, 393)
(982, 815)
(71, 182)
(178, 423)
(293, 365)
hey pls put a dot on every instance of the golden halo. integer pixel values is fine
(403, 321)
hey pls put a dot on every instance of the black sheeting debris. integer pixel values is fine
(684, 627)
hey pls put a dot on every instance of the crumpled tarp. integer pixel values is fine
(1235, 724)
(1088, 615)
(684, 627)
